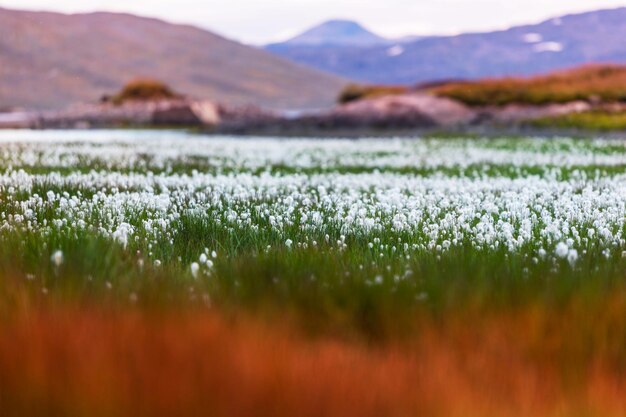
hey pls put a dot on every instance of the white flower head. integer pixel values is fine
(57, 258)
(572, 256)
(195, 268)
(561, 250)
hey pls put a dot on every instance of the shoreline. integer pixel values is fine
(363, 133)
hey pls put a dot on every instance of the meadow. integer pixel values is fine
(158, 272)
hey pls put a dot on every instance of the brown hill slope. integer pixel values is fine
(594, 83)
(51, 60)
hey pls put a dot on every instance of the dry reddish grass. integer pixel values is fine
(144, 89)
(605, 83)
(86, 362)
(355, 92)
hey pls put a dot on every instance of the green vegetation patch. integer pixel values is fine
(593, 120)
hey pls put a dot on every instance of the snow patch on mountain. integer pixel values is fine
(396, 50)
(548, 47)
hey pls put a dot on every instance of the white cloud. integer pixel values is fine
(259, 21)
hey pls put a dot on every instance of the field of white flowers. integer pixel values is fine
(376, 224)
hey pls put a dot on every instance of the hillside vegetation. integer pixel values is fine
(144, 89)
(355, 92)
(595, 83)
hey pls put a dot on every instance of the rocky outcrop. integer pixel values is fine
(518, 113)
(406, 114)
(417, 110)
(156, 113)
(383, 115)
(178, 112)
(17, 120)
(387, 113)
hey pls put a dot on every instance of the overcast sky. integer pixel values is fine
(261, 21)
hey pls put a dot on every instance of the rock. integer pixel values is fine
(394, 113)
(185, 113)
(515, 113)
(207, 112)
(388, 113)
(235, 118)
(175, 112)
(18, 120)
(412, 110)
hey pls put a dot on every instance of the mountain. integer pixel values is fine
(52, 60)
(337, 32)
(524, 50)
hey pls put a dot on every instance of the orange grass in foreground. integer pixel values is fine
(72, 362)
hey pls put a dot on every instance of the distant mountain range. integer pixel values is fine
(337, 32)
(51, 60)
(557, 43)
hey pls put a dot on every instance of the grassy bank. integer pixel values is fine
(601, 83)
(593, 83)
(598, 121)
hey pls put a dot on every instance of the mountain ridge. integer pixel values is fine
(556, 43)
(52, 60)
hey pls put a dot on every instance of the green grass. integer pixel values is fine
(355, 289)
(358, 288)
(593, 120)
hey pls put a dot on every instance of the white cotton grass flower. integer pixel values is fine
(195, 269)
(572, 256)
(57, 258)
(557, 215)
(562, 250)
(122, 234)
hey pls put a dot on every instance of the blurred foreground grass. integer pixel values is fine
(128, 361)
